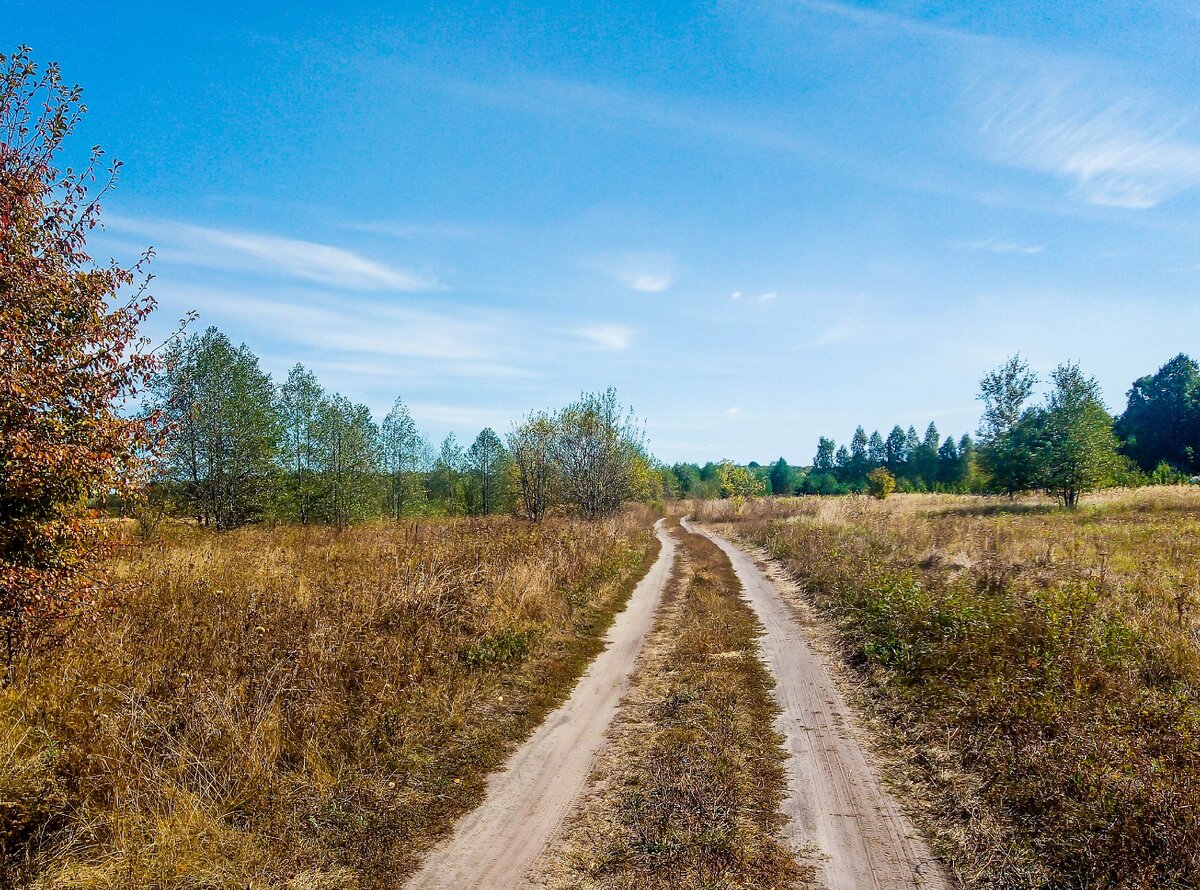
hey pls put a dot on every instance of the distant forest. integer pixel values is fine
(238, 448)
(1067, 445)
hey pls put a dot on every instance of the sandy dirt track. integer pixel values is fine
(836, 807)
(529, 800)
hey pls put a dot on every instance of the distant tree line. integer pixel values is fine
(1067, 445)
(240, 449)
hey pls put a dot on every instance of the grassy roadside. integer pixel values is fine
(687, 794)
(1039, 668)
(298, 707)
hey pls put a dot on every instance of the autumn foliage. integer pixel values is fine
(70, 355)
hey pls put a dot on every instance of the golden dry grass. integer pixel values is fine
(687, 795)
(297, 707)
(1041, 665)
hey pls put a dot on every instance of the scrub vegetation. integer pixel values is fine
(1037, 669)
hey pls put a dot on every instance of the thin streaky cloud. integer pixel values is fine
(267, 254)
(355, 330)
(889, 22)
(406, 231)
(768, 296)
(602, 103)
(1120, 151)
(998, 245)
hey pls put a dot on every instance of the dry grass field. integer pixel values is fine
(297, 707)
(687, 795)
(1037, 669)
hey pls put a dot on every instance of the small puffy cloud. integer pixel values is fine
(646, 272)
(736, 295)
(734, 409)
(610, 337)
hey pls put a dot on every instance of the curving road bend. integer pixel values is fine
(836, 806)
(529, 799)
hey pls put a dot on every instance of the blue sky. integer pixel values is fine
(761, 222)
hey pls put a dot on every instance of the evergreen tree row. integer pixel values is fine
(1067, 445)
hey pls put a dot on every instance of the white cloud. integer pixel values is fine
(998, 245)
(769, 295)
(736, 295)
(1118, 147)
(187, 244)
(365, 339)
(734, 409)
(611, 337)
(651, 284)
(646, 272)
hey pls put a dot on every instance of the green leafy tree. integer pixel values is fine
(860, 461)
(876, 450)
(781, 477)
(1004, 393)
(823, 461)
(349, 461)
(445, 479)
(223, 428)
(1162, 417)
(949, 472)
(1078, 451)
(403, 455)
(688, 478)
(895, 450)
(1008, 433)
(880, 483)
(597, 448)
(531, 444)
(486, 463)
(738, 482)
(301, 403)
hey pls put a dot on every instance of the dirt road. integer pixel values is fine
(836, 805)
(528, 800)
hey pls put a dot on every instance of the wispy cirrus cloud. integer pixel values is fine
(1120, 148)
(606, 104)
(609, 337)
(268, 254)
(997, 245)
(364, 337)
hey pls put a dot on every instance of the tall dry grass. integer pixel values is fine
(297, 707)
(1040, 666)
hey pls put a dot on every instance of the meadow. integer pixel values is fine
(1033, 671)
(297, 706)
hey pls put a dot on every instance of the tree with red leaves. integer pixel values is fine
(71, 357)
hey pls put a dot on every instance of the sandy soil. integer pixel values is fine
(528, 801)
(839, 814)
